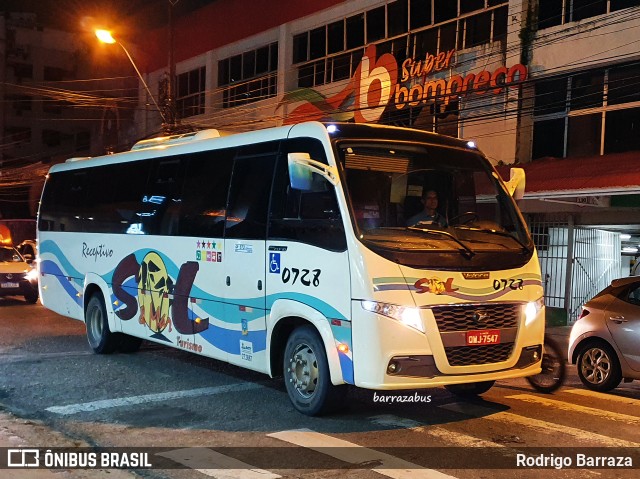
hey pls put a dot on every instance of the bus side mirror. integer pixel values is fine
(302, 167)
(516, 183)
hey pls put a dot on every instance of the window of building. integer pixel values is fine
(622, 130)
(581, 9)
(83, 140)
(375, 24)
(397, 18)
(548, 138)
(420, 13)
(387, 26)
(19, 103)
(550, 96)
(477, 30)
(550, 12)
(444, 10)
(623, 84)
(468, 6)
(190, 93)
(583, 135)
(22, 71)
(252, 76)
(615, 5)
(572, 114)
(17, 135)
(54, 74)
(587, 90)
(355, 31)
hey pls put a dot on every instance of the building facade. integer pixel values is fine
(547, 84)
(53, 107)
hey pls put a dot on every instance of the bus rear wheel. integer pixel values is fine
(100, 338)
(306, 374)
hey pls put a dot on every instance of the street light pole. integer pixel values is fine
(106, 37)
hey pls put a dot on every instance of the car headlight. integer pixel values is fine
(532, 309)
(31, 275)
(403, 314)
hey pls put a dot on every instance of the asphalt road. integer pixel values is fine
(204, 416)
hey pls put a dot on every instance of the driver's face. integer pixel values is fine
(431, 200)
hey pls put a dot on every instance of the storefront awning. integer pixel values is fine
(612, 174)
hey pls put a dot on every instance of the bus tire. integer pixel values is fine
(100, 338)
(306, 374)
(471, 389)
(128, 343)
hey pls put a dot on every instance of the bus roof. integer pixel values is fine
(214, 139)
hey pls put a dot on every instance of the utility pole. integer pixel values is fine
(171, 111)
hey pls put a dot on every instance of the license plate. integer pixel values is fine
(479, 338)
(10, 285)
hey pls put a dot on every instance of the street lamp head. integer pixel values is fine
(105, 36)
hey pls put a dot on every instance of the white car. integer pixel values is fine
(17, 277)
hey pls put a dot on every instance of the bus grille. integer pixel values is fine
(473, 355)
(476, 316)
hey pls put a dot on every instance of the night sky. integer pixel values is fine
(73, 15)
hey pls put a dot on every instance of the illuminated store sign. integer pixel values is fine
(375, 86)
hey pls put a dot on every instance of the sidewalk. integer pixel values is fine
(22, 433)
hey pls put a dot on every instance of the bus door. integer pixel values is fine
(308, 262)
(244, 255)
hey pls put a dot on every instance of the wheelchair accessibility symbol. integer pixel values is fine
(274, 263)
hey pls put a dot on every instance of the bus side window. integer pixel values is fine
(249, 193)
(204, 196)
(311, 217)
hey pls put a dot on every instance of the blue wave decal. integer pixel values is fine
(53, 269)
(346, 364)
(50, 246)
(326, 309)
(229, 340)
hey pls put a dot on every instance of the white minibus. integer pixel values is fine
(302, 251)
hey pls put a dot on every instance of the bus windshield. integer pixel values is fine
(409, 201)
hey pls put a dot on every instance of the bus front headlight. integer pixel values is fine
(406, 315)
(532, 309)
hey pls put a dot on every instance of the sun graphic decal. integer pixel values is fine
(154, 290)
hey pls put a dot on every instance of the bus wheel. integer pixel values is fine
(470, 389)
(306, 374)
(101, 340)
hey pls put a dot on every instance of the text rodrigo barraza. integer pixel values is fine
(580, 460)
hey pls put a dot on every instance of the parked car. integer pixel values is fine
(28, 249)
(605, 340)
(17, 277)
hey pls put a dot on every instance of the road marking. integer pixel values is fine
(511, 419)
(565, 406)
(70, 409)
(8, 357)
(223, 467)
(603, 396)
(457, 439)
(346, 451)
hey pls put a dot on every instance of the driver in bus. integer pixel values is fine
(429, 215)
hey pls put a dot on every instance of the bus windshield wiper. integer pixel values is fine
(525, 248)
(465, 251)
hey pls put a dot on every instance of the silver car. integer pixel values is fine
(605, 340)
